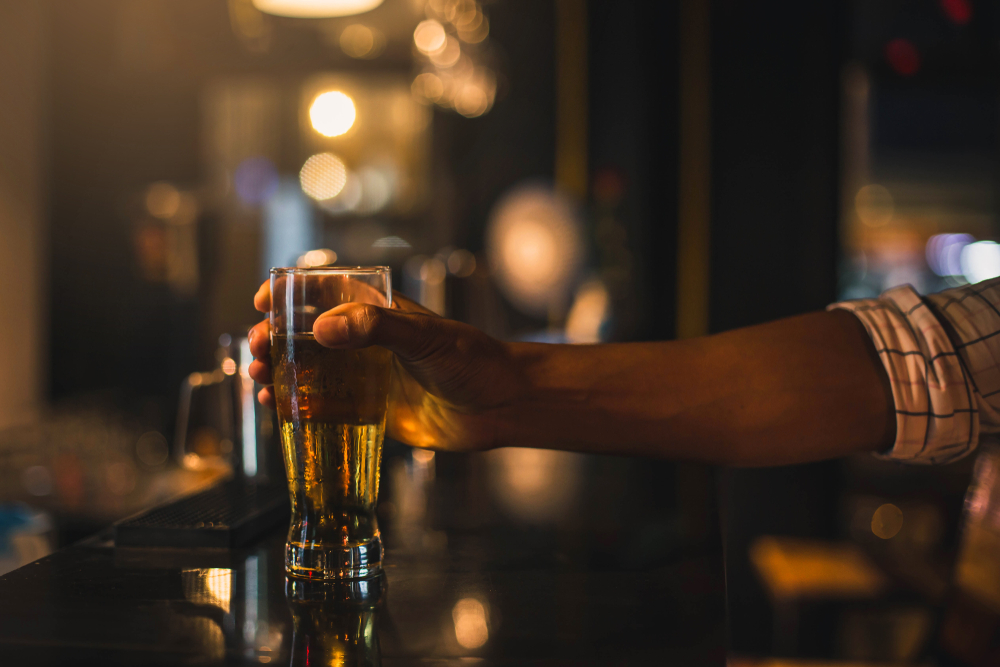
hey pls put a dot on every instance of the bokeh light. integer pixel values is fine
(469, 616)
(958, 11)
(429, 37)
(428, 86)
(37, 480)
(448, 55)
(318, 257)
(887, 521)
(944, 252)
(589, 312)
(902, 57)
(348, 198)
(462, 263)
(536, 486)
(332, 113)
(980, 261)
(377, 190)
(360, 41)
(323, 176)
(152, 449)
(315, 9)
(475, 33)
(255, 180)
(162, 200)
(874, 205)
(472, 101)
(535, 246)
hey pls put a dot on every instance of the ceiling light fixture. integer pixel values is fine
(315, 9)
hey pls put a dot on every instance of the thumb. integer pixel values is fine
(410, 335)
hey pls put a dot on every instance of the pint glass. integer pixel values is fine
(331, 413)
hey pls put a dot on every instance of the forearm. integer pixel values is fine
(801, 389)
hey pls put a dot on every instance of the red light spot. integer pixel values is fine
(902, 56)
(959, 11)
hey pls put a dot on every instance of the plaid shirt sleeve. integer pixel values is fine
(942, 355)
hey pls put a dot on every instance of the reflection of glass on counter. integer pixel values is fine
(335, 623)
(969, 629)
(978, 568)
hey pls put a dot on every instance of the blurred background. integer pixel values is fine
(563, 171)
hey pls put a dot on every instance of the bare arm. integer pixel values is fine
(801, 389)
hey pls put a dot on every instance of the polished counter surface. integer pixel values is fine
(504, 558)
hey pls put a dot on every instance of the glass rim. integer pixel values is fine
(332, 270)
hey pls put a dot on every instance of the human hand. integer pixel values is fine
(451, 383)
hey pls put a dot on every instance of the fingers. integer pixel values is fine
(266, 397)
(410, 335)
(262, 299)
(259, 337)
(261, 372)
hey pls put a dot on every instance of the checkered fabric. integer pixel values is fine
(942, 355)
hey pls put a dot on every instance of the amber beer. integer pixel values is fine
(331, 412)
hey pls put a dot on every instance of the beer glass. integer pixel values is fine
(331, 414)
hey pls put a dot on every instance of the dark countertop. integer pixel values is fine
(535, 559)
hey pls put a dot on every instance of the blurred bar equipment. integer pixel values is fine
(970, 629)
(237, 432)
(226, 401)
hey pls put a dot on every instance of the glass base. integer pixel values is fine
(317, 562)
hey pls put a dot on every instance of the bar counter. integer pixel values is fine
(540, 559)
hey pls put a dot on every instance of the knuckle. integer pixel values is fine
(369, 320)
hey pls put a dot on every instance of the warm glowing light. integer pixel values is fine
(472, 101)
(332, 113)
(902, 56)
(794, 568)
(315, 9)
(462, 263)
(360, 41)
(320, 257)
(588, 314)
(212, 586)
(887, 521)
(980, 261)
(476, 32)
(448, 55)
(469, 615)
(229, 366)
(429, 37)
(433, 272)
(535, 247)
(162, 200)
(874, 205)
(348, 198)
(423, 455)
(323, 176)
(428, 86)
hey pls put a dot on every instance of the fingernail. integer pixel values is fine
(250, 335)
(331, 330)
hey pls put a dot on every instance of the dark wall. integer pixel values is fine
(633, 81)
(775, 127)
